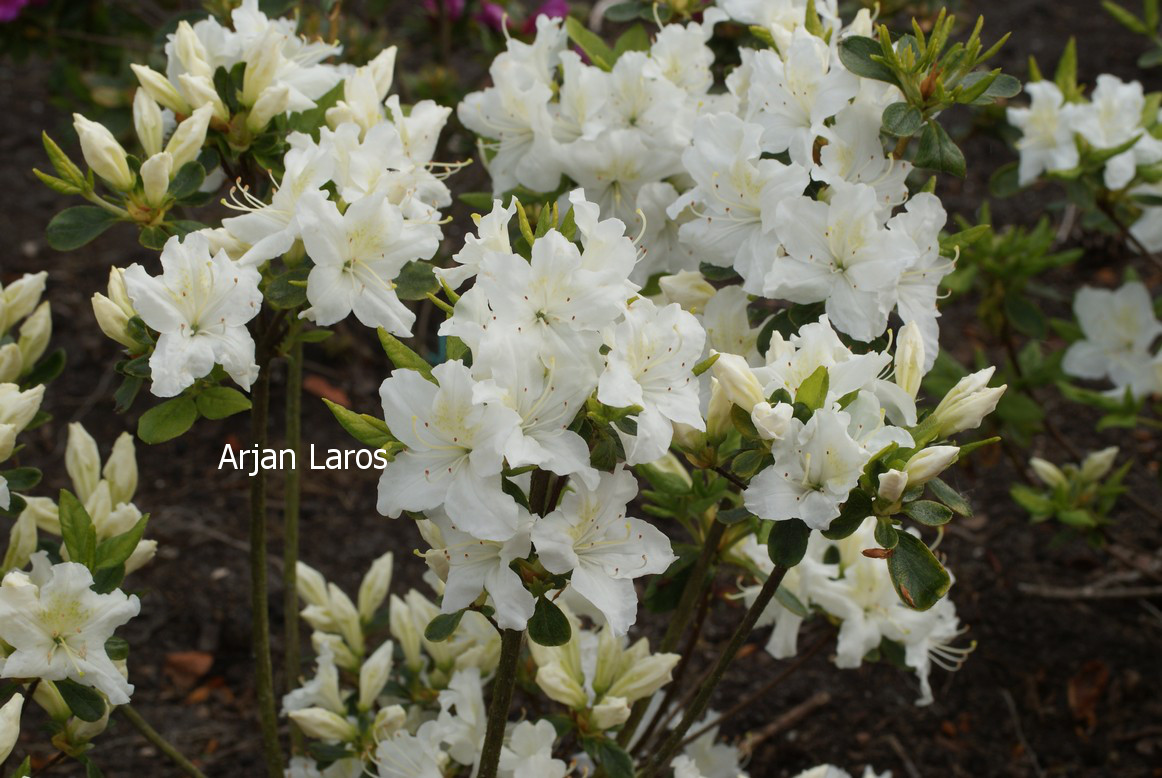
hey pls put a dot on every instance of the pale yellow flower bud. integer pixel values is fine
(688, 289)
(738, 381)
(121, 469)
(11, 365)
(892, 485)
(967, 403)
(643, 677)
(388, 721)
(10, 724)
(19, 298)
(322, 724)
(34, 335)
(1049, 473)
(82, 461)
(373, 588)
(929, 463)
(718, 421)
(559, 685)
(103, 153)
(1098, 464)
(44, 512)
(160, 89)
(910, 359)
(383, 70)
(142, 555)
(18, 408)
(147, 122)
(49, 698)
(156, 173)
(271, 103)
(112, 320)
(374, 674)
(609, 713)
(21, 543)
(263, 61)
(346, 618)
(186, 142)
(310, 585)
(191, 53)
(7, 440)
(405, 634)
(772, 422)
(200, 91)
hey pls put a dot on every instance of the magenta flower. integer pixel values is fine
(10, 9)
(556, 9)
(492, 15)
(455, 8)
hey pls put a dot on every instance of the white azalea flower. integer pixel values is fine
(1047, 127)
(1120, 329)
(529, 752)
(1112, 117)
(57, 626)
(199, 305)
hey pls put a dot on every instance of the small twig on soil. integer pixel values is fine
(1011, 704)
(55, 760)
(154, 737)
(784, 722)
(1088, 592)
(898, 747)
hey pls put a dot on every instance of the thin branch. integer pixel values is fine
(1051, 592)
(155, 737)
(785, 721)
(1012, 706)
(502, 686)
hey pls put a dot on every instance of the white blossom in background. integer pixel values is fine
(1047, 128)
(1119, 330)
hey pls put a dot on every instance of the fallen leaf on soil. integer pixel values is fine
(1085, 690)
(184, 668)
(321, 387)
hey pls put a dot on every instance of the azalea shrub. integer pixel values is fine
(694, 328)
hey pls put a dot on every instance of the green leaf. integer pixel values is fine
(856, 52)
(950, 497)
(1066, 75)
(218, 402)
(402, 357)
(549, 626)
(733, 515)
(626, 12)
(851, 515)
(1024, 315)
(748, 463)
(792, 603)
(929, 513)
(610, 757)
(886, 534)
(1005, 181)
(1032, 500)
(902, 120)
(77, 531)
(46, 369)
(74, 227)
(938, 152)
(443, 626)
(595, 49)
(813, 391)
(1003, 86)
(788, 542)
(920, 579)
(416, 281)
(25, 768)
(706, 364)
(168, 420)
(21, 479)
(113, 551)
(361, 426)
(1151, 59)
(187, 180)
(117, 648)
(287, 290)
(153, 237)
(85, 703)
(634, 39)
(480, 202)
(1125, 18)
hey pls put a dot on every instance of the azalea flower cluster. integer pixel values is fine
(792, 187)
(1119, 340)
(1118, 122)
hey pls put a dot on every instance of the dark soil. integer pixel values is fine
(1008, 712)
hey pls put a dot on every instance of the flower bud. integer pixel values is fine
(1097, 464)
(18, 408)
(892, 484)
(559, 685)
(910, 359)
(155, 176)
(374, 674)
(373, 588)
(142, 555)
(273, 102)
(929, 463)
(609, 713)
(117, 292)
(11, 365)
(147, 122)
(160, 89)
(772, 422)
(967, 403)
(404, 631)
(121, 469)
(10, 724)
(644, 677)
(117, 520)
(383, 71)
(112, 320)
(738, 381)
(191, 53)
(322, 724)
(310, 585)
(186, 142)
(346, 618)
(200, 91)
(688, 289)
(718, 421)
(44, 512)
(103, 153)
(49, 698)
(19, 298)
(78, 732)
(21, 542)
(7, 440)
(1049, 473)
(388, 721)
(324, 641)
(35, 334)
(263, 61)
(82, 461)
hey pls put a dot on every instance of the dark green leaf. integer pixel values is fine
(85, 703)
(21, 479)
(1005, 180)
(902, 120)
(153, 237)
(610, 757)
(416, 281)
(117, 648)
(886, 534)
(361, 426)
(933, 514)
(938, 152)
(856, 52)
(113, 551)
(187, 180)
(402, 357)
(950, 497)
(106, 579)
(792, 603)
(1024, 315)
(734, 515)
(77, 531)
(218, 402)
(168, 420)
(287, 290)
(788, 542)
(857, 508)
(549, 626)
(919, 578)
(74, 227)
(443, 626)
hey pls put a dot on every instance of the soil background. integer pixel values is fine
(1059, 687)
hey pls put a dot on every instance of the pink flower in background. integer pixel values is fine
(557, 9)
(455, 8)
(10, 9)
(492, 15)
